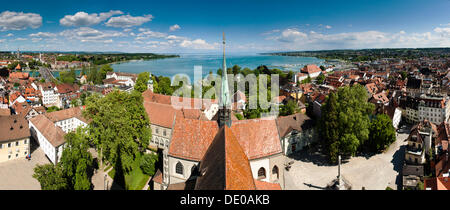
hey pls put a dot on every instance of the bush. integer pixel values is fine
(239, 116)
(147, 164)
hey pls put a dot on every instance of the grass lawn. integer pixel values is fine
(136, 179)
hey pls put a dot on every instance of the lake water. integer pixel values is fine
(186, 62)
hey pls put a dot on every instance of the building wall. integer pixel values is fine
(187, 167)
(70, 124)
(277, 160)
(44, 144)
(299, 139)
(14, 149)
(258, 164)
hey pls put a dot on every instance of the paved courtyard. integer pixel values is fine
(17, 174)
(310, 172)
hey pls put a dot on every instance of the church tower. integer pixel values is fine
(224, 98)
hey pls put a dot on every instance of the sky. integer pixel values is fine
(196, 26)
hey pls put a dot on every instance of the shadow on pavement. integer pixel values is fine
(316, 158)
(398, 160)
(314, 186)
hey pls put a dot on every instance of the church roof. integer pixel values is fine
(225, 165)
(257, 137)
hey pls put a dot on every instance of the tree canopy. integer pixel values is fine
(119, 126)
(141, 82)
(344, 123)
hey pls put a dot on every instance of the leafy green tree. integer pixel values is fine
(382, 133)
(50, 177)
(404, 74)
(147, 164)
(344, 123)
(76, 159)
(163, 86)
(290, 108)
(102, 73)
(322, 68)
(320, 79)
(67, 76)
(239, 116)
(52, 109)
(141, 82)
(119, 128)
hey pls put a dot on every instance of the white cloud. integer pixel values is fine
(174, 27)
(147, 33)
(327, 27)
(43, 35)
(85, 19)
(21, 39)
(9, 35)
(36, 39)
(293, 39)
(19, 20)
(126, 21)
(86, 34)
(198, 44)
(2, 40)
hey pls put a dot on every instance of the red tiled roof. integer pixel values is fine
(53, 133)
(225, 165)
(160, 114)
(66, 114)
(191, 138)
(310, 69)
(261, 185)
(158, 177)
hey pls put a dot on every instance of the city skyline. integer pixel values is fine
(251, 26)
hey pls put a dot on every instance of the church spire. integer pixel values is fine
(224, 99)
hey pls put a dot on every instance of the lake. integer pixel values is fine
(209, 62)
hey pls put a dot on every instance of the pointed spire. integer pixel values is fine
(224, 98)
(225, 93)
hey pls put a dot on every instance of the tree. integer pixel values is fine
(52, 109)
(239, 116)
(290, 108)
(320, 79)
(404, 75)
(344, 123)
(147, 164)
(119, 126)
(76, 160)
(322, 68)
(163, 86)
(67, 76)
(50, 177)
(141, 82)
(102, 73)
(382, 133)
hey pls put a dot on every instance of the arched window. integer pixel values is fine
(275, 172)
(261, 173)
(179, 168)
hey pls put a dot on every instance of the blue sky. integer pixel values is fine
(196, 26)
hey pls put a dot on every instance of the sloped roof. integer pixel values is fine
(53, 133)
(225, 165)
(66, 114)
(13, 127)
(160, 114)
(298, 122)
(191, 138)
(261, 185)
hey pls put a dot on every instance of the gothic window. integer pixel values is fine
(179, 168)
(261, 173)
(275, 172)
